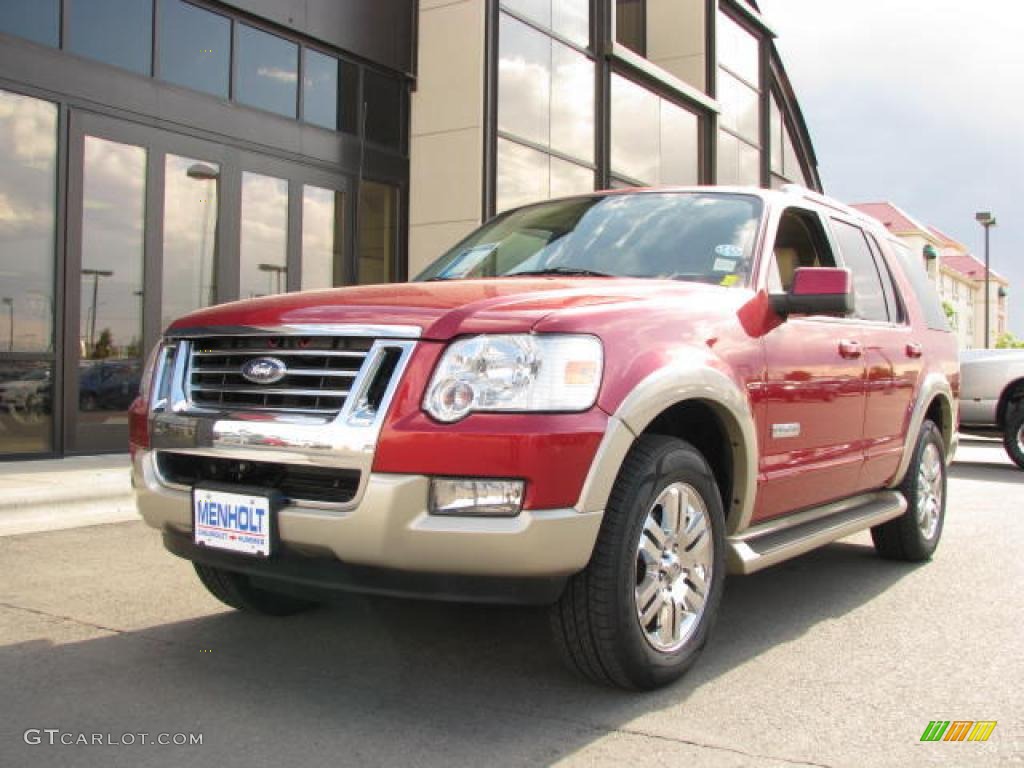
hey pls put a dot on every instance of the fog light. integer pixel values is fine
(475, 497)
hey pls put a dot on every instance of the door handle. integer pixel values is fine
(849, 349)
(914, 349)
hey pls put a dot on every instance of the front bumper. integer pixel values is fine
(390, 528)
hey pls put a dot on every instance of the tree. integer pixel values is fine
(1009, 341)
(104, 345)
(951, 315)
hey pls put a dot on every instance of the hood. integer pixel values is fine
(441, 310)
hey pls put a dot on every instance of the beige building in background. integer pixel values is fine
(959, 277)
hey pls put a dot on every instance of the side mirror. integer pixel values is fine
(816, 291)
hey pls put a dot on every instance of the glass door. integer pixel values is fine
(105, 288)
(28, 253)
(161, 224)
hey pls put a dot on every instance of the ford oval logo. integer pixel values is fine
(264, 370)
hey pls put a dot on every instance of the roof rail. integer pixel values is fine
(828, 202)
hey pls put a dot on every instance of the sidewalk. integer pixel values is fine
(52, 494)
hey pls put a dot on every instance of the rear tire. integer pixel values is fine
(639, 614)
(236, 590)
(914, 535)
(1013, 433)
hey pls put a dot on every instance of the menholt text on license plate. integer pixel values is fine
(239, 522)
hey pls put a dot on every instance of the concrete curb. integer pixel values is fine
(57, 494)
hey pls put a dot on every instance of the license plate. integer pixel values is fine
(237, 522)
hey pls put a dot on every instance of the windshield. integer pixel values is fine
(705, 237)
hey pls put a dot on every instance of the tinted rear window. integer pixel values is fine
(927, 298)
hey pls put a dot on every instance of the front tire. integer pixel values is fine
(914, 535)
(236, 591)
(1013, 434)
(639, 615)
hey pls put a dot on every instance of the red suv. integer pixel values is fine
(604, 403)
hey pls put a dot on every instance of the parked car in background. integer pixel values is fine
(602, 403)
(992, 397)
(108, 385)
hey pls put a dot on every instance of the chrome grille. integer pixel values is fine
(319, 377)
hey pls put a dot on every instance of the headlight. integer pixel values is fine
(515, 373)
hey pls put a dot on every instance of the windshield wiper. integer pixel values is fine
(568, 271)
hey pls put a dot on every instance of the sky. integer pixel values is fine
(921, 103)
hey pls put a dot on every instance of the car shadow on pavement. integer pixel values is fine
(396, 681)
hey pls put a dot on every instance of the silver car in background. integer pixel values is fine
(992, 397)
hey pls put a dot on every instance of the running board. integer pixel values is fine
(782, 538)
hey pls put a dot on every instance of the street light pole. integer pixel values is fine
(96, 274)
(275, 273)
(10, 322)
(987, 220)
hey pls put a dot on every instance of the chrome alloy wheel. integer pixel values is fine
(929, 491)
(673, 567)
(1020, 438)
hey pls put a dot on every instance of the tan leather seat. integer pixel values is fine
(787, 260)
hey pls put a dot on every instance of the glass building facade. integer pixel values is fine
(158, 156)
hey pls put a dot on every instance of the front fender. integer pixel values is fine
(682, 380)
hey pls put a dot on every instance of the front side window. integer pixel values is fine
(702, 237)
(799, 242)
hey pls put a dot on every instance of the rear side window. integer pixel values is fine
(923, 289)
(869, 297)
(889, 287)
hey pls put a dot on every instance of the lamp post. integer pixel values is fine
(275, 270)
(204, 172)
(987, 220)
(10, 322)
(96, 274)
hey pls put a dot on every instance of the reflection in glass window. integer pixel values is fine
(741, 107)
(264, 236)
(190, 236)
(195, 47)
(267, 71)
(330, 92)
(383, 97)
(524, 81)
(28, 163)
(738, 49)
(545, 91)
(653, 140)
(378, 227)
(320, 90)
(35, 20)
(569, 18)
(26, 406)
(739, 82)
(680, 145)
(775, 129)
(323, 238)
(738, 162)
(118, 32)
(526, 176)
(635, 131)
(113, 201)
(572, 102)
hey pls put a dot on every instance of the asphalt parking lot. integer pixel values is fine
(834, 659)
